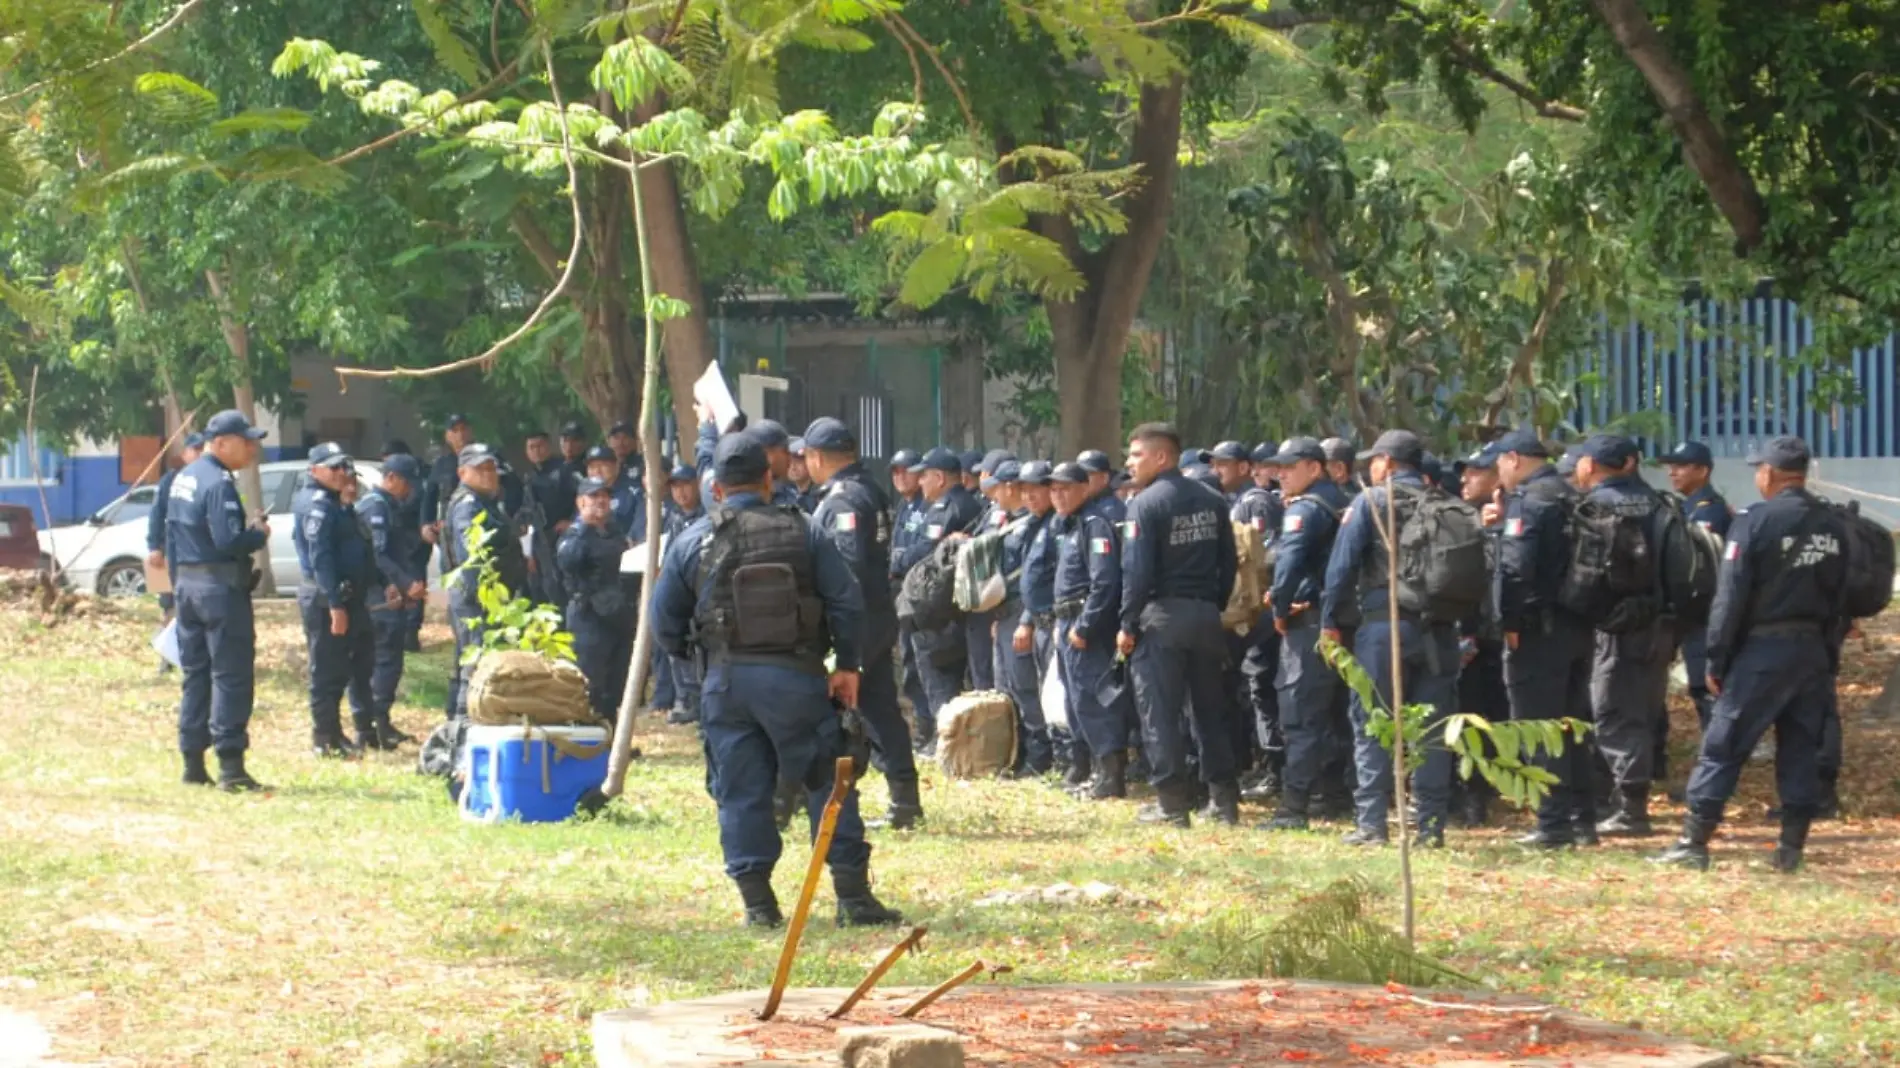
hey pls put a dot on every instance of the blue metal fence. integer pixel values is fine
(1727, 377)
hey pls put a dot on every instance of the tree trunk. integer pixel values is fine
(250, 482)
(689, 343)
(1091, 332)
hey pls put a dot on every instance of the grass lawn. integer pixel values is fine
(350, 918)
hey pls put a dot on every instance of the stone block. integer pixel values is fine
(900, 1046)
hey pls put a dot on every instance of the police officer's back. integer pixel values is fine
(764, 597)
(1690, 464)
(476, 503)
(208, 545)
(339, 569)
(388, 512)
(600, 612)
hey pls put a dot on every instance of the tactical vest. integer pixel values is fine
(759, 600)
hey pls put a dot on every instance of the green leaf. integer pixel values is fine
(265, 120)
(175, 98)
(937, 268)
(662, 308)
(450, 49)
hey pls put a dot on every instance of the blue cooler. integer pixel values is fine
(531, 774)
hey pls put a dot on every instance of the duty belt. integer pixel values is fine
(1786, 626)
(1067, 610)
(235, 573)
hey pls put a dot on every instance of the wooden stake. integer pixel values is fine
(910, 943)
(950, 984)
(821, 846)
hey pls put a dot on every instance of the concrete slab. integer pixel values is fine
(1149, 1025)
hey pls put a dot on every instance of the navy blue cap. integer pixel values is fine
(1523, 443)
(940, 459)
(1611, 450)
(454, 420)
(1689, 452)
(623, 426)
(573, 430)
(1567, 464)
(1784, 453)
(1264, 452)
(600, 452)
(1486, 458)
(1400, 445)
(1232, 450)
(231, 421)
(194, 440)
(1118, 479)
(1339, 450)
(329, 454)
(591, 486)
(770, 434)
(904, 458)
(1190, 457)
(739, 459)
(833, 436)
(1007, 471)
(1071, 474)
(476, 455)
(1035, 473)
(971, 460)
(796, 446)
(396, 445)
(682, 473)
(1293, 450)
(403, 464)
(994, 457)
(1095, 462)
(1203, 474)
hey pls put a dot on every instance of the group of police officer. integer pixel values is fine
(777, 631)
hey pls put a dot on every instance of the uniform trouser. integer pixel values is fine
(912, 681)
(1341, 773)
(1629, 685)
(1781, 680)
(339, 663)
(1016, 675)
(1179, 675)
(1103, 728)
(603, 649)
(1429, 666)
(685, 675)
(1481, 692)
(665, 694)
(877, 703)
(1695, 664)
(1548, 677)
(980, 649)
(1305, 700)
(1259, 659)
(762, 725)
(217, 646)
(391, 629)
(938, 655)
(465, 620)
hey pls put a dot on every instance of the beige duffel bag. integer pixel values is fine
(522, 688)
(976, 735)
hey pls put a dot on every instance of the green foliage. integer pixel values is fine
(508, 623)
(1330, 936)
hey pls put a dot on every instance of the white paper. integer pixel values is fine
(1055, 705)
(165, 643)
(711, 390)
(634, 560)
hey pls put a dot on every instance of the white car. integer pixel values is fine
(106, 553)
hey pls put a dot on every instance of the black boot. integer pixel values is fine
(680, 715)
(786, 801)
(1171, 807)
(233, 779)
(857, 906)
(333, 745)
(1265, 788)
(1223, 803)
(383, 735)
(196, 774)
(1477, 807)
(1631, 817)
(1692, 849)
(1794, 839)
(1545, 839)
(1583, 830)
(1335, 802)
(761, 904)
(1111, 778)
(907, 808)
(1291, 815)
(1081, 768)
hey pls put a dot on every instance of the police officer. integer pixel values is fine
(388, 514)
(1031, 640)
(979, 628)
(1481, 689)
(768, 714)
(547, 481)
(810, 490)
(1305, 682)
(676, 682)
(970, 463)
(209, 547)
(338, 571)
(1358, 573)
(574, 439)
(1690, 464)
(1101, 470)
(1178, 569)
(1259, 506)
(425, 543)
(907, 527)
(623, 439)
(1770, 659)
(442, 483)
(1087, 590)
(1629, 680)
(950, 511)
(192, 448)
(477, 499)
(855, 515)
(600, 614)
(1341, 458)
(1015, 668)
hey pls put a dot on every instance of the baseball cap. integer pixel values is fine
(1007, 471)
(1400, 445)
(454, 420)
(1264, 452)
(1293, 450)
(682, 473)
(1194, 456)
(402, 464)
(1689, 452)
(971, 460)
(904, 458)
(941, 459)
(231, 421)
(739, 459)
(397, 445)
(590, 486)
(994, 457)
(1231, 450)
(1784, 453)
(1339, 450)
(1035, 473)
(770, 434)
(1071, 474)
(573, 430)
(1521, 442)
(1203, 474)
(1613, 450)
(623, 426)
(194, 440)
(329, 454)
(832, 435)
(796, 446)
(476, 455)
(1095, 462)
(1486, 458)
(1567, 464)
(600, 452)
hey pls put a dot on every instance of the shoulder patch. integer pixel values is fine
(1131, 529)
(847, 521)
(933, 531)
(1292, 524)
(1733, 552)
(1260, 523)
(1514, 527)
(1100, 546)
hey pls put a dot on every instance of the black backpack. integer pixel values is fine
(1690, 560)
(1611, 582)
(927, 599)
(1870, 563)
(1444, 571)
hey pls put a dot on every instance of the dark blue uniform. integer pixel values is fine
(155, 528)
(1547, 675)
(907, 526)
(465, 609)
(1305, 683)
(783, 492)
(676, 682)
(1629, 681)
(764, 723)
(600, 614)
(1020, 674)
(1708, 510)
(394, 540)
(1088, 595)
(855, 515)
(939, 655)
(1178, 569)
(208, 546)
(438, 486)
(809, 497)
(1356, 574)
(1257, 653)
(339, 570)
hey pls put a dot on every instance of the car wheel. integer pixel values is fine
(122, 578)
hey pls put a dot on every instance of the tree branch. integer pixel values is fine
(164, 28)
(1274, 18)
(963, 101)
(536, 240)
(384, 142)
(1467, 57)
(1523, 368)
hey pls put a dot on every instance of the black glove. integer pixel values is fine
(857, 741)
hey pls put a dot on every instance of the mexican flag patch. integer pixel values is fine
(1130, 528)
(1099, 546)
(1514, 528)
(847, 521)
(1292, 524)
(934, 531)
(1734, 551)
